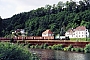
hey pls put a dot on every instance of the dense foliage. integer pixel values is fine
(9, 51)
(57, 17)
(61, 47)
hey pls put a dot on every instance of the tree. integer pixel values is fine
(60, 6)
(48, 8)
(81, 7)
(51, 17)
(87, 3)
(71, 6)
(9, 51)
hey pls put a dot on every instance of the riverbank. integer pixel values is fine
(52, 42)
(47, 54)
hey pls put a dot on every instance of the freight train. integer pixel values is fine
(33, 38)
(30, 38)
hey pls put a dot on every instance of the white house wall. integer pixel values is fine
(47, 34)
(78, 34)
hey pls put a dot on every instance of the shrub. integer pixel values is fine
(65, 49)
(28, 46)
(78, 49)
(73, 49)
(60, 47)
(49, 47)
(32, 46)
(43, 46)
(36, 46)
(87, 48)
(54, 47)
(9, 51)
(69, 48)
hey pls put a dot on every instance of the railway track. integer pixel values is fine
(51, 42)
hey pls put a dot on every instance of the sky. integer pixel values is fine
(8, 8)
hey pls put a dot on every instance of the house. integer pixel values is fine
(79, 32)
(19, 32)
(47, 33)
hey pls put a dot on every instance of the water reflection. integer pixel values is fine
(59, 55)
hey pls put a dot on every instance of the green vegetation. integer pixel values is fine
(62, 15)
(87, 48)
(61, 47)
(80, 39)
(9, 51)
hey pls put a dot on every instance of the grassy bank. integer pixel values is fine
(61, 47)
(80, 39)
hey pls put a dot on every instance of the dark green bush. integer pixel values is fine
(49, 47)
(9, 51)
(57, 47)
(69, 48)
(60, 46)
(87, 48)
(28, 46)
(73, 49)
(78, 49)
(43, 46)
(37, 46)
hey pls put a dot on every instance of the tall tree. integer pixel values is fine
(81, 7)
(60, 5)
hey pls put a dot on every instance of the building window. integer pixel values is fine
(79, 32)
(82, 32)
(72, 35)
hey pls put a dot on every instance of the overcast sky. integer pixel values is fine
(9, 8)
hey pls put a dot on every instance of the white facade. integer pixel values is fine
(77, 33)
(47, 33)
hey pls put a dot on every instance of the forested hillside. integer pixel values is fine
(56, 17)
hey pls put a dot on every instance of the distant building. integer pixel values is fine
(21, 31)
(47, 33)
(79, 32)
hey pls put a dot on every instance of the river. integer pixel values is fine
(44, 54)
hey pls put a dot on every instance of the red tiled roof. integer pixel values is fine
(80, 28)
(47, 32)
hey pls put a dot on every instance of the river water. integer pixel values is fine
(44, 54)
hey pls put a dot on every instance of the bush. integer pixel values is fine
(87, 48)
(49, 47)
(78, 49)
(9, 51)
(37, 46)
(43, 46)
(69, 48)
(28, 46)
(60, 46)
